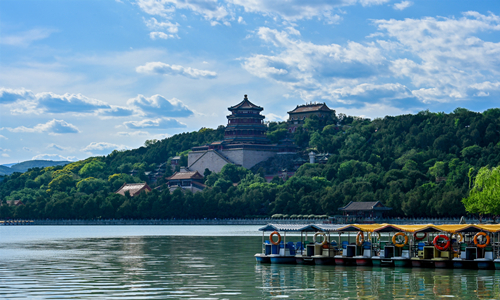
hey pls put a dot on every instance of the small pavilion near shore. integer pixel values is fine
(365, 209)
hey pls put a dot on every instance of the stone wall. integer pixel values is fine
(208, 159)
(247, 158)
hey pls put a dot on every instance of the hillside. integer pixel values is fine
(416, 164)
(26, 165)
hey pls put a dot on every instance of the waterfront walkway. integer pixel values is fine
(256, 221)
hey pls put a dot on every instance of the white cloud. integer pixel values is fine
(47, 102)
(314, 71)
(160, 68)
(275, 118)
(3, 137)
(103, 147)
(450, 57)
(209, 9)
(241, 21)
(294, 10)
(53, 127)
(55, 157)
(372, 2)
(5, 155)
(12, 95)
(161, 35)
(159, 106)
(116, 111)
(153, 24)
(59, 148)
(413, 61)
(160, 123)
(133, 133)
(402, 5)
(26, 38)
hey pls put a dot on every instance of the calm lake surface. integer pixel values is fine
(199, 262)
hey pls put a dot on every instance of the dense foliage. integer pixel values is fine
(416, 164)
(484, 196)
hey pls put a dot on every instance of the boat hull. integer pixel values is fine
(441, 264)
(283, 259)
(304, 260)
(497, 263)
(400, 262)
(363, 261)
(262, 258)
(484, 264)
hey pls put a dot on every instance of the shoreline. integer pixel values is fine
(256, 221)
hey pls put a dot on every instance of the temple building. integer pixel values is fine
(365, 209)
(245, 142)
(134, 189)
(296, 117)
(186, 180)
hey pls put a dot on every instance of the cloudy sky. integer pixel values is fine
(82, 78)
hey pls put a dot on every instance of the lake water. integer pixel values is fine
(199, 262)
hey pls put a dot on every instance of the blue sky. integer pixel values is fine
(82, 78)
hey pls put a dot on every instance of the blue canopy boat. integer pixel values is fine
(280, 251)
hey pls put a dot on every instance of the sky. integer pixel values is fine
(83, 78)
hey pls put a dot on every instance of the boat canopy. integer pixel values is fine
(327, 227)
(288, 227)
(360, 227)
(449, 228)
(493, 228)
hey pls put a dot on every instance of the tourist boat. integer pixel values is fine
(324, 247)
(312, 251)
(395, 251)
(360, 251)
(442, 246)
(277, 250)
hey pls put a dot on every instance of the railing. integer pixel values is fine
(241, 221)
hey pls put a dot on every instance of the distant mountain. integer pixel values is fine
(26, 165)
(9, 165)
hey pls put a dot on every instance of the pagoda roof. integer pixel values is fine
(185, 175)
(310, 108)
(133, 188)
(357, 206)
(245, 104)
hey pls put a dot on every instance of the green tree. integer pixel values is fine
(484, 196)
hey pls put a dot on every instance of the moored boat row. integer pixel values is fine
(439, 246)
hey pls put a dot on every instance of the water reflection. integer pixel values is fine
(210, 267)
(344, 282)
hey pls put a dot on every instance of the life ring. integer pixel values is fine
(438, 245)
(458, 234)
(396, 243)
(481, 245)
(360, 238)
(271, 238)
(377, 238)
(419, 238)
(325, 240)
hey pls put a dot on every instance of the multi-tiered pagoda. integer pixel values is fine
(245, 124)
(245, 142)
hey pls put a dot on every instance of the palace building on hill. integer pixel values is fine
(245, 142)
(296, 117)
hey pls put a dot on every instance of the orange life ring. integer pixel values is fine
(325, 239)
(458, 234)
(419, 238)
(438, 245)
(271, 238)
(360, 238)
(395, 242)
(483, 234)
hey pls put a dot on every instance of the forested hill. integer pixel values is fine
(416, 164)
